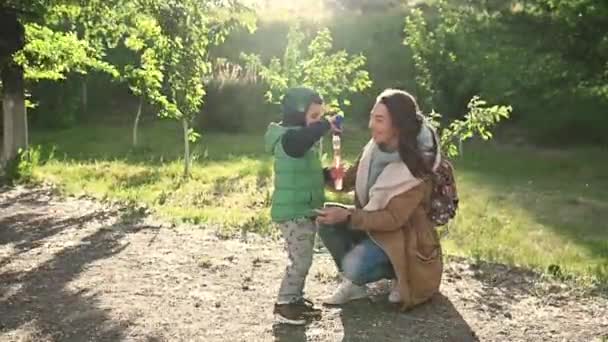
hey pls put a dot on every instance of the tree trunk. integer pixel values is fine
(136, 123)
(460, 148)
(15, 116)
(186, 149)
(85, 96)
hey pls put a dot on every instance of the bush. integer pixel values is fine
(505, 56)
(569, 118)
(21, 169)
(57, 105)
(236, 107)
(234, 101)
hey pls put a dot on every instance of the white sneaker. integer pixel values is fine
(346, 292)
(394, 296)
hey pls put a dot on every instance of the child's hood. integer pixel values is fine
(273, 136)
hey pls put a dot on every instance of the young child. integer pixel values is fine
(298, 190)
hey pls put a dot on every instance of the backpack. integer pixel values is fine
(444, 196)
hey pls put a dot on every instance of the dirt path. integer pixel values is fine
(71, 270)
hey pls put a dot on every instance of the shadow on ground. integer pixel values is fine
(38, 299)
(380, 321)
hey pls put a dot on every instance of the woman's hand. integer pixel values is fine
(332, 215)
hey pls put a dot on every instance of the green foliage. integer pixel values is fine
(233, 101)
(144, 37)
(28, 160)
(547, 58)
(70, 36)
(515, 53)
(583, 35)
(334, 75)
(186, 26)
(431, 47)
(190, 28)
(440, 42)
(169, 41)
(422, 44)
(51, 55)
(236, 107)
(478, 121)
(21, 169)
(102, 23)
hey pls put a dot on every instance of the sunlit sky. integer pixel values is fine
(302, 6)
(310, 10)
(313, 10)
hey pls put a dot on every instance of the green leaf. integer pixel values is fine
(334, 75)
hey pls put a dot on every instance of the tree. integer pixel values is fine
(12, 39)
(479, 120)
(432, 50)
(145, 76)
(190, 27)
(583, 37)
(333, 74)
(31, 50)
(100, 23)
(430, 47)
(51, 55)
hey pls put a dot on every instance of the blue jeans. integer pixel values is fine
(358, 257)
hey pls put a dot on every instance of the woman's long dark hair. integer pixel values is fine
(407, 119)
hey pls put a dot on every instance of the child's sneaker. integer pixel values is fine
(289, 313)
(308, 308)
(296, 313)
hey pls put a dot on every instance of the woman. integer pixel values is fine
(388, 234)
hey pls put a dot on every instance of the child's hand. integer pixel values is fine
(335, 126)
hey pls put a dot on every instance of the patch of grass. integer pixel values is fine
(520, 205)
(535, 208)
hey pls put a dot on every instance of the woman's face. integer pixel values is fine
(381, 127)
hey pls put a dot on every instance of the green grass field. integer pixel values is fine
(519, 205)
